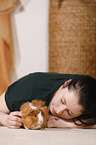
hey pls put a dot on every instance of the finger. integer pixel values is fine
(11, 117)
(52, 118)
(17, 119)
(49, 125)
(15, 124)
(14, 127)
(52, 121)
(16, 113)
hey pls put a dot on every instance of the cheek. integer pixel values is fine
(65, 115)
(56, 101)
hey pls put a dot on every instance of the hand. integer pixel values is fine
(14, 120)
(55, 121)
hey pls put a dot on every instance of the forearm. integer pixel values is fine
(66, 124)
(61, 123)
(3, 119)
(71, 124)
(90, 127)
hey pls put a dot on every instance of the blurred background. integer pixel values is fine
(46, 36)
(30, 33)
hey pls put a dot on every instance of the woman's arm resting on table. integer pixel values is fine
(60, 123)
(55, 121)
(10, 120)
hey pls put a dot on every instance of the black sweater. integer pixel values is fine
(41, 86)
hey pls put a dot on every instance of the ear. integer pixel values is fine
(66, 83)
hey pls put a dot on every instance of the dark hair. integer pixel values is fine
(86, 87)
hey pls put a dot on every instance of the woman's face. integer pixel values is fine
(65, 104)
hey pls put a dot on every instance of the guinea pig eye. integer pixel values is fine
(35, 115)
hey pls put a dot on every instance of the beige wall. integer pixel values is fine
(30, 31)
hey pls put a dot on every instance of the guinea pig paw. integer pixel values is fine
(26, 128)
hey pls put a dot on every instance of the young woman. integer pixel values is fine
(71, 99)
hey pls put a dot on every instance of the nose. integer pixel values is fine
(60, 109)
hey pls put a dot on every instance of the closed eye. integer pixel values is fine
(69, 112)
(63, 101)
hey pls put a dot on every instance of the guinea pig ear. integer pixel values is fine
(38, 103)
(24, 106)
(44, 110)
(25, 109)
(41, 103)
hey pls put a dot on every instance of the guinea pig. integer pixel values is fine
(34, 114)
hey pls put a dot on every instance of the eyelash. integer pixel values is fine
(68, 112)
(63, 102)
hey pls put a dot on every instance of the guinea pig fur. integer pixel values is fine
(34, 114)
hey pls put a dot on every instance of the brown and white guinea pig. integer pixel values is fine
(34, 114)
